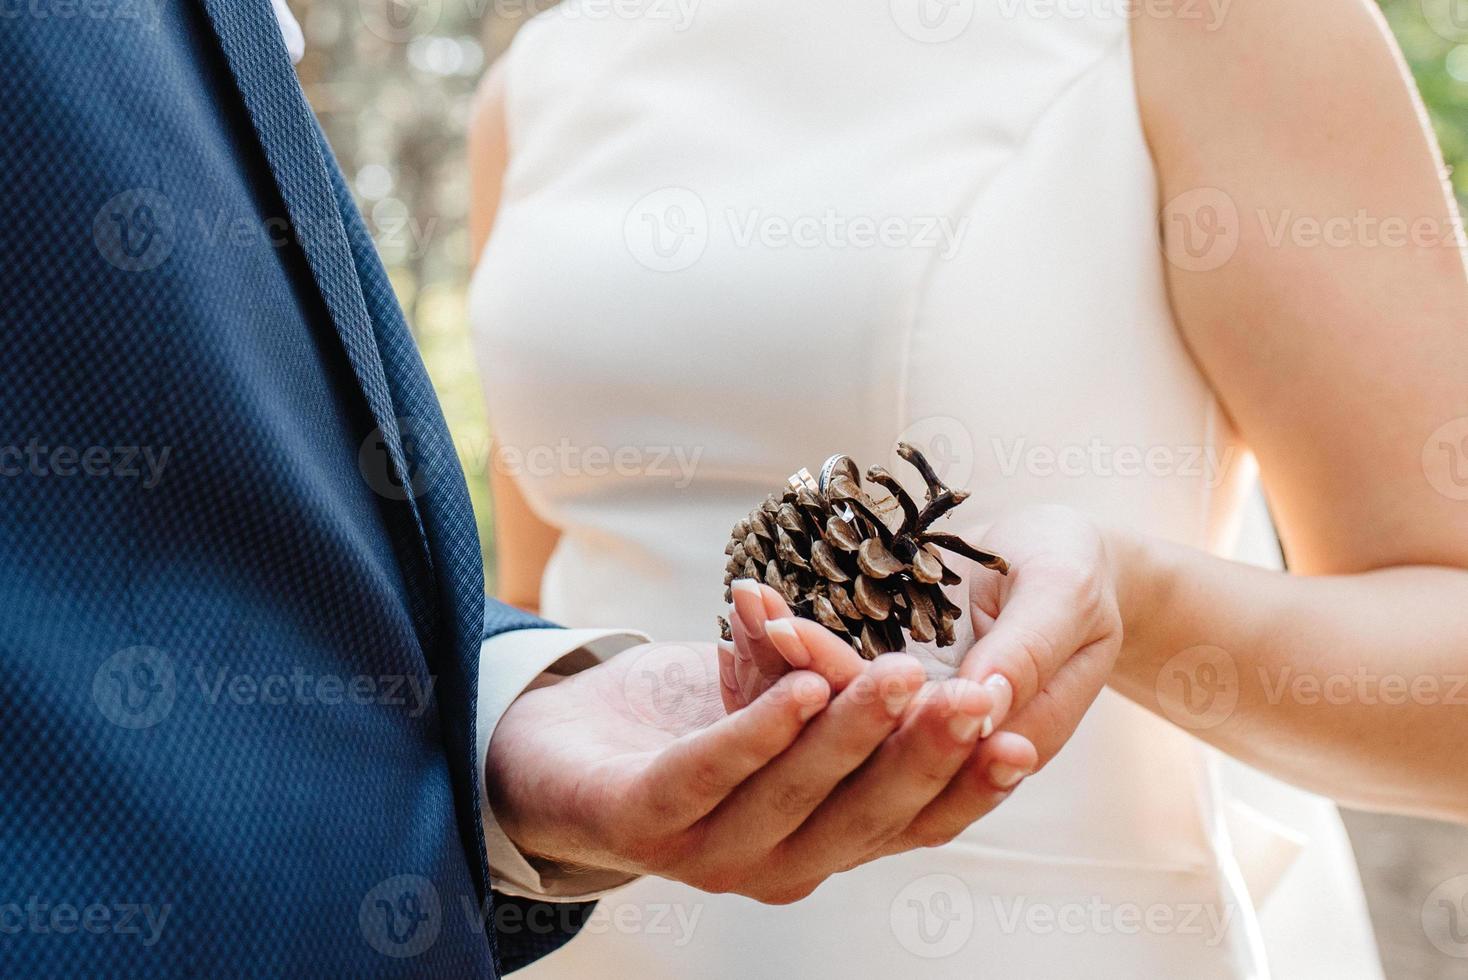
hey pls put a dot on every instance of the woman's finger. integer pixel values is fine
(992, 772)
(1043, 621)
(810, 646)
(749, 608)
(751, 680)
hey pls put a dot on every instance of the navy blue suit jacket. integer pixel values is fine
(240, 590)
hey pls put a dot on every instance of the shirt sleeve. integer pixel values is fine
(509, 664)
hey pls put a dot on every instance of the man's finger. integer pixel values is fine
(694, 774)
(778, 799)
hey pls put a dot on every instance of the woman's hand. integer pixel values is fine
(1051, 629)
(1048, 633)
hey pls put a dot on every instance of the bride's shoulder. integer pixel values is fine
(1276, 73)
(1217, 43)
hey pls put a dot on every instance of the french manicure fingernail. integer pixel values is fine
(754, 627)
(964, 727)
(987, 728)
(897, 700)
(1002, 694)
(793, 648)
(1005, 777)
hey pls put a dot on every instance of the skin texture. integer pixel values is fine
(1333, 328)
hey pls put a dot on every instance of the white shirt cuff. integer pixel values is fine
(508, 664)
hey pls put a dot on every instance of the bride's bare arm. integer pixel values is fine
(1323, 293)
(523, 542)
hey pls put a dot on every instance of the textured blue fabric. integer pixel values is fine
(240, 587)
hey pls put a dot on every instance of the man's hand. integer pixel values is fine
(635, 765)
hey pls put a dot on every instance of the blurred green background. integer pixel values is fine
(392, 83)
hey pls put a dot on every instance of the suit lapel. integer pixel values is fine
(288, 134)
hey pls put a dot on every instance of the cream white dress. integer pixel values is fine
(740, 235)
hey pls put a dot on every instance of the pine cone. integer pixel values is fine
(867, 569)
